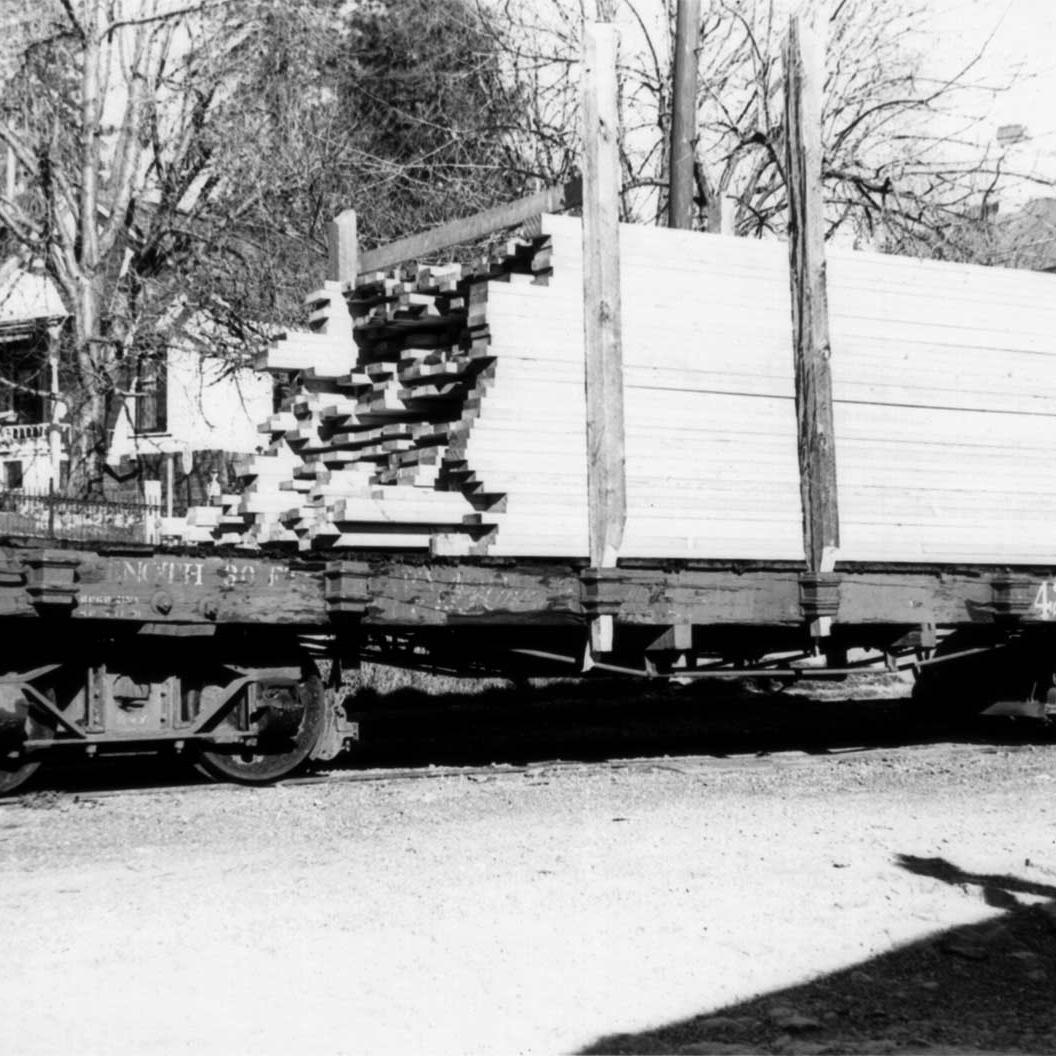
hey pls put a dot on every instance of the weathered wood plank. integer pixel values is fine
(464, 594)
(804, 78)
(607, 499)
(603, 352)
(552, 199)
(174, 588)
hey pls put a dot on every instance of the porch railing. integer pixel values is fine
(19, 434)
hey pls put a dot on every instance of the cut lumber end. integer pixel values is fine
(343, 245)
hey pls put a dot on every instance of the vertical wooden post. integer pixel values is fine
(170, 482)
(804, 78)
(343, 245)
(607, 492)
(55, 410)
(684, 116)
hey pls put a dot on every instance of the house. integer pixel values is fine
(189, 413)
(31, 313)
(188, 418)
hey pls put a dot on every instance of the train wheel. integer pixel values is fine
(16, 765)
(287, 716)
(14, 773)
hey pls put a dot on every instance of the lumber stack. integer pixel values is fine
(710, 425)
(443, 410)
(945, 406)
(358, 454)
(372, 409)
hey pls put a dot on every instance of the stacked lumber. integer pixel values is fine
(442, 409)
(944, 387)
(708, 402)
(944, 379)
(357, 454)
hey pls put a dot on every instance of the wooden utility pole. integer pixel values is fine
(684, 116)
(606, 483)
(804, 78)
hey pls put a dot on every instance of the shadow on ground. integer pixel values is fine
(987, 988)
(404, 726)
(599, 720)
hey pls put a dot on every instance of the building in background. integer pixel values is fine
(31, 314)
(189, 415)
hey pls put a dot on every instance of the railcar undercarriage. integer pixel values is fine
(250, 711)
(224, 658)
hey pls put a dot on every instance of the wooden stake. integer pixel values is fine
(684, 118)
(343, 243)
(804, 77)
(606, 484)
(170, 460)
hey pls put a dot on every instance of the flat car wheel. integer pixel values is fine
(14, 773)
(287, 718)
(16, 767)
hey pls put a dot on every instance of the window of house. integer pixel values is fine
(22, 367)
(13, 475)
(151, 399)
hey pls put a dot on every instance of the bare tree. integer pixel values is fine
(902, 164)
(104, 115)
(179, 159)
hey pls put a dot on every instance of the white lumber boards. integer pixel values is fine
(368, 540)
(326, 355)
(945, 485)
(942, 375)
(707, 411)
(430, 508)
(944, 380)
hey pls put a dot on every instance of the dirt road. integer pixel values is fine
(677, 908)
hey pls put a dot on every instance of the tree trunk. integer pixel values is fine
(87, 443)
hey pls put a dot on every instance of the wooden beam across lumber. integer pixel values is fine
(804, 78)
(551, 200)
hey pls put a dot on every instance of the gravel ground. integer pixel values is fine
(899, 900)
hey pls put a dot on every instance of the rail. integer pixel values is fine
(62, 518)
(16, 434)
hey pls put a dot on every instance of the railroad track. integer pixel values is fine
(696, 765)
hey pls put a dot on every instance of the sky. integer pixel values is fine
(1020, 54)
